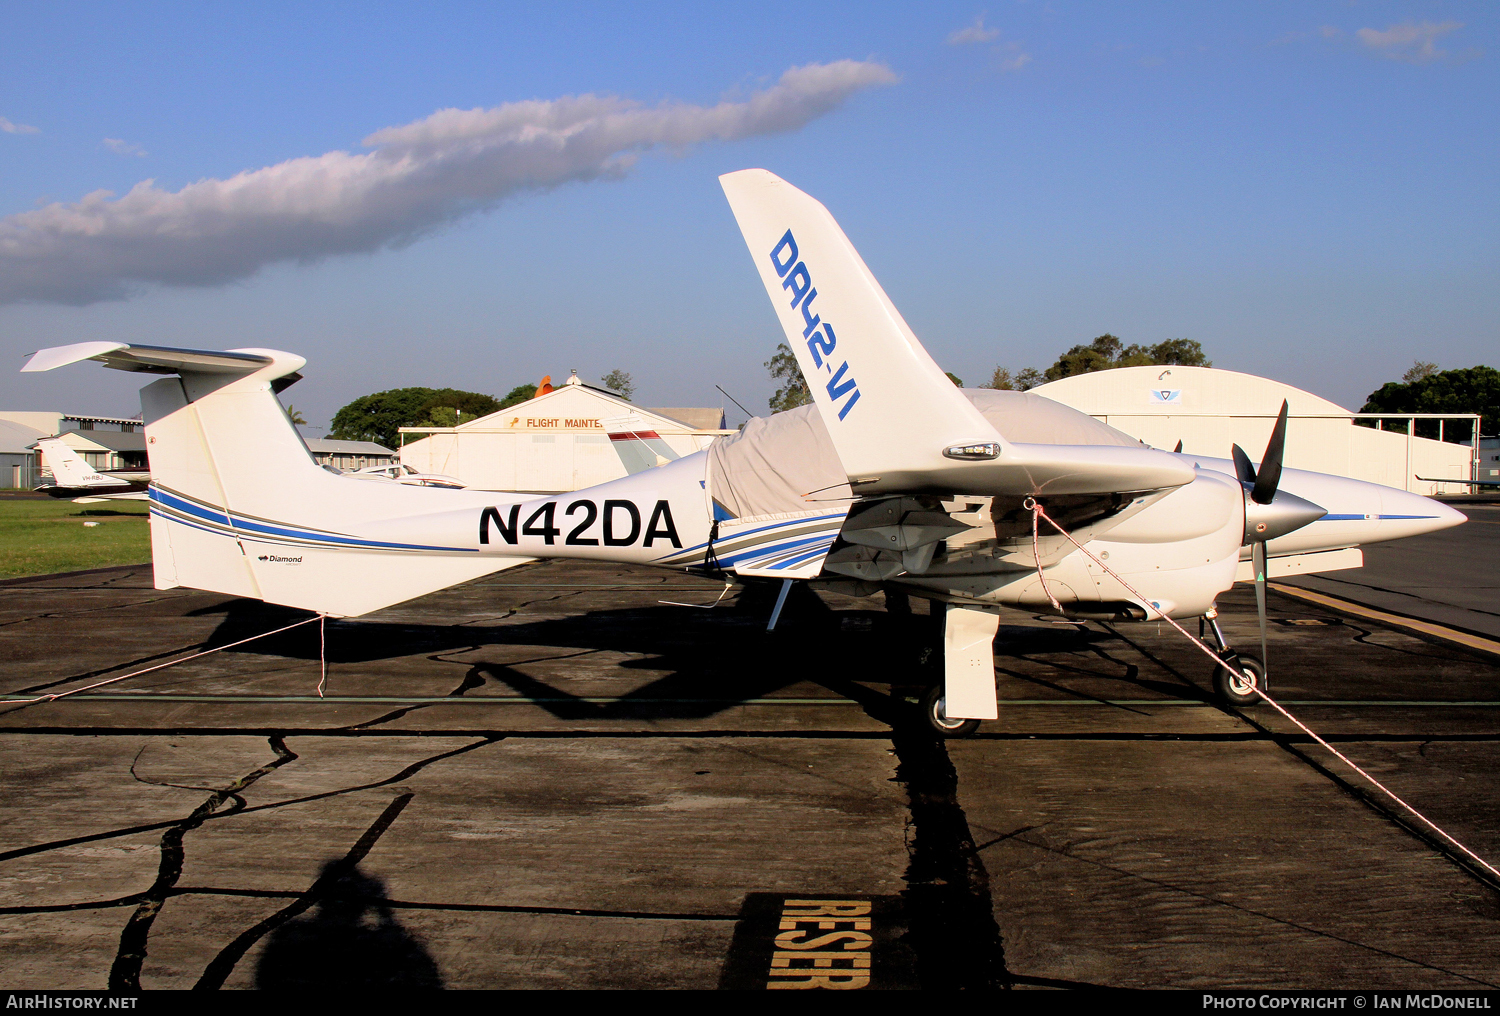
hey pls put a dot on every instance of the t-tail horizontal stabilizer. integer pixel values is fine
(898, 423)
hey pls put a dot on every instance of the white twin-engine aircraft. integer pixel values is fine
(894, 479)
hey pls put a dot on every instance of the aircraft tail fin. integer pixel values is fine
(897, 421)
(640, 448)
(69, 470)
(887, 405)
(239, 506)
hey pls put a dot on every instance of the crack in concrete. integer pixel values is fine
(403, 774)
(125, 972)
(60, 614)
(38, 688)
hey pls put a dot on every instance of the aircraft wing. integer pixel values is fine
(1472, 483)
(139, 495)
(899, 425)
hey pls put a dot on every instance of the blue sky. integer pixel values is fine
(1310, 190)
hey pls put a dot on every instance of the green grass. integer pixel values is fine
(44, 537)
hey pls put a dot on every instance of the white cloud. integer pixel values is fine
(974, 33)
(1016, 62)
(121, 147)
(17, 128)
(415, 179)
(1412, 43)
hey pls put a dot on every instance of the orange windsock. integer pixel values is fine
(545, 386)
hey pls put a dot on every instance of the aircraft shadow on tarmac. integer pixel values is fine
(712, 659)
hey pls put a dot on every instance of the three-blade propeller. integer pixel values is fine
(1269, 514)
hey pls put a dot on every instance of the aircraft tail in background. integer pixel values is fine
(70, 471)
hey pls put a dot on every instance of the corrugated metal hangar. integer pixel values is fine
(555, 442)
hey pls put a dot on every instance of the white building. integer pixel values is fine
(18, 455)
(552, 443)
(1209, 410)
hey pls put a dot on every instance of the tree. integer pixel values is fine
(520, 393)
(1418, 370)
(449, 407)
(793, 391)
(1001, 381)
(295, 415)
(1469, 390)
(1108, 352)
(445, 416)
(958, 382)
(620, 382)
(1179, 353)
(1105, 353)
(380, 416)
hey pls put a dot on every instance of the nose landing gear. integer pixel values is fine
(1232, 688)
(1236, 690)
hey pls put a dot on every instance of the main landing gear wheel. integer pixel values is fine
(941, 723)
(1238, 692)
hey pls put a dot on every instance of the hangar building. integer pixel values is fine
(348, 455)
(1209, 410)
(552, 443)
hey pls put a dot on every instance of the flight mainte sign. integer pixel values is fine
(554, 423)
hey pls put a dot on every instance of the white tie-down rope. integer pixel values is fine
(172, 663)
(322, 653)
(1037, 510)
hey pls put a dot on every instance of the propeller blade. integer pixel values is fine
(1258, 563)
(1178, 449)
(1242, 467)
(1270, 463)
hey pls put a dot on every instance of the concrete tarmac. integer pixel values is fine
(551, 778)
(1451, 577)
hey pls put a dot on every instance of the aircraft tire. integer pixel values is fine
(1232, 690)
(938, 721)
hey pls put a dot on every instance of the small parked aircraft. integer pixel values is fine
(402, 473)
(72, 477)
(892, 480)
